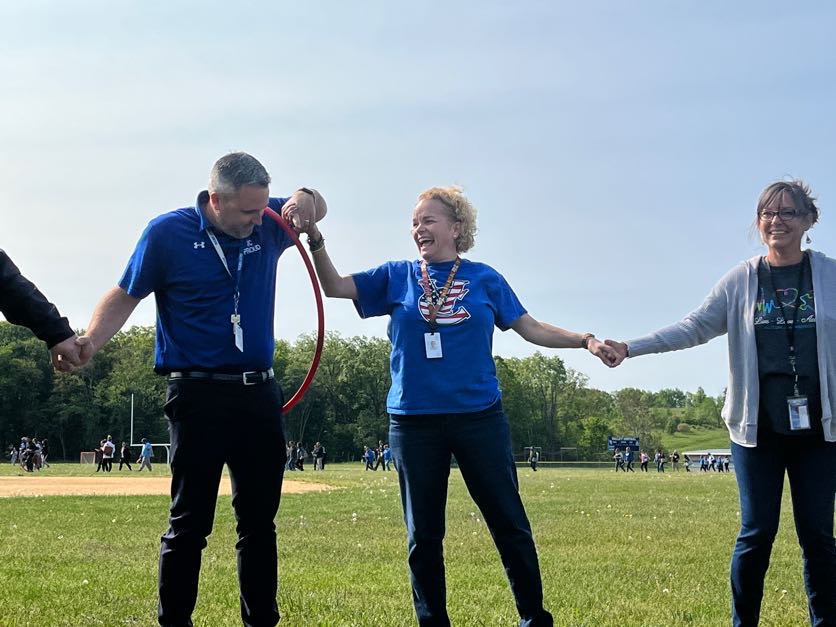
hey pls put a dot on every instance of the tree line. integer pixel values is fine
(548, 404)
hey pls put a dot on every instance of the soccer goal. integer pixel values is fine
(88, 457)
(134, 443)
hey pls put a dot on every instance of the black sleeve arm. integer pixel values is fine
(22, 303)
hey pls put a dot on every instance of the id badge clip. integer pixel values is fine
(432, 344)
(799, 413)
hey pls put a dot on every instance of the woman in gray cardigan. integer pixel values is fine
(779, 312)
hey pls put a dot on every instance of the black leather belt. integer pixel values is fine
(253, 377)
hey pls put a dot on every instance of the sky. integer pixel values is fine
(614, 150)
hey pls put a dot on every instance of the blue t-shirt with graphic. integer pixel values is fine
(464, 378)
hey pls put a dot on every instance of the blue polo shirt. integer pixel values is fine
(463, 380)
(175, 259)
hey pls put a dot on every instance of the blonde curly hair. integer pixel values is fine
(461, 211)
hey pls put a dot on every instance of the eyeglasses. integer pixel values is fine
(786, 215)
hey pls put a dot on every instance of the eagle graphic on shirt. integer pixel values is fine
(448, 313)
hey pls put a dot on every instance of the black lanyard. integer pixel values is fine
(789, 329)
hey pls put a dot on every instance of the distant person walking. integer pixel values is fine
(108, 451)
(534, 459)
(618, 458)
(125, 456)
(44, 452)
(318, 453)
(628, 460)
(145, 455)
(675, 461)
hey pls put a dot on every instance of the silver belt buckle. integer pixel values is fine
(254, 382)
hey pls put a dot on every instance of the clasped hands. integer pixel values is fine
(300, 211)
(74, 352)
(610, 352)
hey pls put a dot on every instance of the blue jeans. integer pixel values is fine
(810, 463)
(422, 446)
(212, 424)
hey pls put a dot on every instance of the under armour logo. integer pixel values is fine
(200, 245)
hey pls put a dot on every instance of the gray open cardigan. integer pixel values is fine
(729, 308)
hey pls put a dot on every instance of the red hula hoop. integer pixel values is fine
(320, 311)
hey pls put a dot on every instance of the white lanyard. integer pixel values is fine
(235, 318)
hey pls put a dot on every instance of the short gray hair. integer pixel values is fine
(231, 172)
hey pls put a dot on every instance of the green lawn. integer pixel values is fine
(616, 550)
(697, 439)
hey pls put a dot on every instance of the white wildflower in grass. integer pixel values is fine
(113, 521)
(84, 582)
(665, 590)
(61, 537)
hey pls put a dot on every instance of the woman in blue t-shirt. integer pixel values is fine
(445, 399)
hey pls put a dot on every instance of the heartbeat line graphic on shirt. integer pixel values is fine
(448, 313)
(768, 311)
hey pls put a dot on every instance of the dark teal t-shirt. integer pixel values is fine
(791, 286)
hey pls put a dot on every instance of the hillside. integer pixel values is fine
(696, 439)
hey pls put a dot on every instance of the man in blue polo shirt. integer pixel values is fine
(212, 269)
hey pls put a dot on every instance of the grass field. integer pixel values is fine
(640, 549)
(697, 439)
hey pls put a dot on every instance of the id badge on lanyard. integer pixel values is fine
(432, 344)
(432, 340)
(799, 413)
(235, 318)
(797, 405)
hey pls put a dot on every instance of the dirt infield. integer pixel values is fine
(40, 485)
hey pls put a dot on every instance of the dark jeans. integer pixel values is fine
(422, 447)
(214, 423)
(810, 464)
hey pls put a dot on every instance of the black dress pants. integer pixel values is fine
(213, 423)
